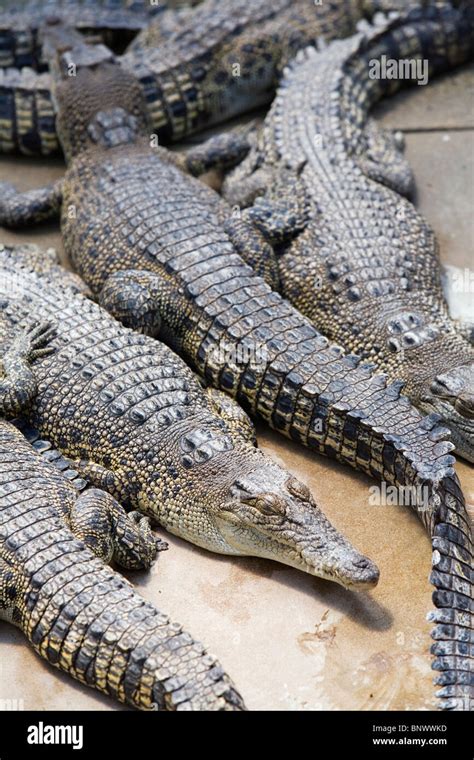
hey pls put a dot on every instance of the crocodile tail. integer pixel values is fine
(452, 577)
(442, 509)
(420, 457)
(27, 113)
(445, 29)
(85, 619)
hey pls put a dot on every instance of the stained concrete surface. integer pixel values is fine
(291, 641)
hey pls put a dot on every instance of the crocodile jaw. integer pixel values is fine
(340, 563)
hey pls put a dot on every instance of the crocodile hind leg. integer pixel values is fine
(238, 422)
(139, 299)
(131, 301)
(17, 381)
(283, 212)
(249, 179)
(251, 245)
(102, 524)
(31, 207)
(240, 189)
(270, 222)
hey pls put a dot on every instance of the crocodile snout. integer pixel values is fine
(366, 576)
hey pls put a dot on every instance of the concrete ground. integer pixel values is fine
(291, 641)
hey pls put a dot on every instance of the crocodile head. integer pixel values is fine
(233, 499)
(98, 103)
(272, 514)
(451, 394)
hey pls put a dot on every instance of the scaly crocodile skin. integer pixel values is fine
(227, 58)
(77, 613)
(27, 120)
(223, 61)
(137, 423)
(126, 205)
(117, 21)
(363, 265)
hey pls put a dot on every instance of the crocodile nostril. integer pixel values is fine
(362, 562)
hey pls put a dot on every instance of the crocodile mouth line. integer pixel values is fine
(282, 551)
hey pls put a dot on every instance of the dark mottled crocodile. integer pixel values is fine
(136, 422)
(26, 109)
(226, 60)
(126, 204)
(356, 256)
(223, 61)
(116, 21)
(77, 613)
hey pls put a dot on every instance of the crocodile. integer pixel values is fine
(135, 421)
(161, 250)
(56, 538)
(223, 60)
(115, 21)
(329, 190)
(26, 109)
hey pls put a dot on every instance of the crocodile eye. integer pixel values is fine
(270, 505)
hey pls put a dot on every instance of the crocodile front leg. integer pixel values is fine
(250, 244)
(106, 529)
(383, 160)
(31, 207)
(97, 518)
(17, 381)
(221, 151)
(281, 212)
